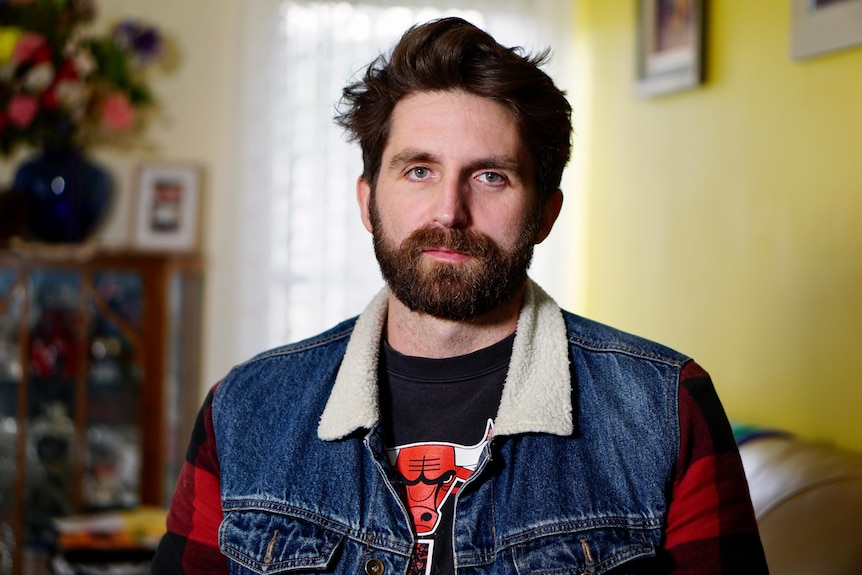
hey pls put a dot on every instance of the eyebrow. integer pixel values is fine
(411, 155)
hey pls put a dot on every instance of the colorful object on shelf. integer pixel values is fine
(139, 527)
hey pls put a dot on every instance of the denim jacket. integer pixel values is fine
(562, 487)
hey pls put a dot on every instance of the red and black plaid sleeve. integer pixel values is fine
(191, 542)
(711, 526)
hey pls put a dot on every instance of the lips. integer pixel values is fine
(447, 255)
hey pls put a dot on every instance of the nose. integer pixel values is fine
(451, 209)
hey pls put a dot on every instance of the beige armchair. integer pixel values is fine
(808, 503)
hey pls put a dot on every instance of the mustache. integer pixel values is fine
(466, 242)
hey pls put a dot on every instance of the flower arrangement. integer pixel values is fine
(64, 87)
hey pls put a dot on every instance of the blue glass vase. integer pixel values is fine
(66, 196)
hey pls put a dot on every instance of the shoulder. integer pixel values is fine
(289, 366)
(591, 336)
(334, 336)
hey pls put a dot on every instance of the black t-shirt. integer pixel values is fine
(437, 416)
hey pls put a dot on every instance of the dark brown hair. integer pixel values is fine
(452, 54)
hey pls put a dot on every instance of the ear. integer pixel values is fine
(363, 197)
(550, 212)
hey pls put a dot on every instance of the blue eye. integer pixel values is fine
(420, 173)
(492, 178)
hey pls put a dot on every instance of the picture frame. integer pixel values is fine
(671, 43)
(822, 26)
(167, 207)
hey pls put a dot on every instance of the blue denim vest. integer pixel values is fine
(573, 481)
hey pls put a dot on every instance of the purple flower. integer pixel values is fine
(144, 42)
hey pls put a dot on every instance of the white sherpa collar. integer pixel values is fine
(537, 394)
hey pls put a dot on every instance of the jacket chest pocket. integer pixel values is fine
(263, 542)
(593, 552)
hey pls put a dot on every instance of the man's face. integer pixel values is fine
(454, 212)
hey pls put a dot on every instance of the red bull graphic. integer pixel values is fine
(430, 475)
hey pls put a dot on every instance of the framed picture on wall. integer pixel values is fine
(670, 46)
(820, 26)
(167, 206)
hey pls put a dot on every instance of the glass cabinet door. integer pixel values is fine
(52, 369)
(112, 465)
(98, 390)
(11, 299)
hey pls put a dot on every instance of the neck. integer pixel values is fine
(423, 335)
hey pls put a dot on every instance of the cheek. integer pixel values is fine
(504, 225)
(401, 219)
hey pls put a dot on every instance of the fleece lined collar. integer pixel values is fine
(536, 396)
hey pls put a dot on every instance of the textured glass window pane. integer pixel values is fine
(112, 466)
(11, 298)
(52, 369)
(122, 292)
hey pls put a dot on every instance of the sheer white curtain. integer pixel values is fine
(305, 261)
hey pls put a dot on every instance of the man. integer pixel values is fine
(463, 423)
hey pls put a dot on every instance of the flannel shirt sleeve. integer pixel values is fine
(191, 543)
(711, 525)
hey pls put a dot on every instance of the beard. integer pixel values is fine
(459, 292)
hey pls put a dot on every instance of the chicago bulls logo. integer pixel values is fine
(431, 473)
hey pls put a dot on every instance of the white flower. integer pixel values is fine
(72, 94)
(74, 43)
(39, 77)
(84, 63)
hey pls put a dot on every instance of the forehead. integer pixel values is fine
(454, 123)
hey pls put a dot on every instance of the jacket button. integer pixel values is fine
(374, 567)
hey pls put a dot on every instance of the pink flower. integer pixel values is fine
(22, 109)
(117, 112)
(30, 46)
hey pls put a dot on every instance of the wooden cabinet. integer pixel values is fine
(99, 384)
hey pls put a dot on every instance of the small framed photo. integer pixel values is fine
(821, 26)
(670, 46)
(167, 207)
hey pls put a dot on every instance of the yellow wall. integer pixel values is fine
(727, 221)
